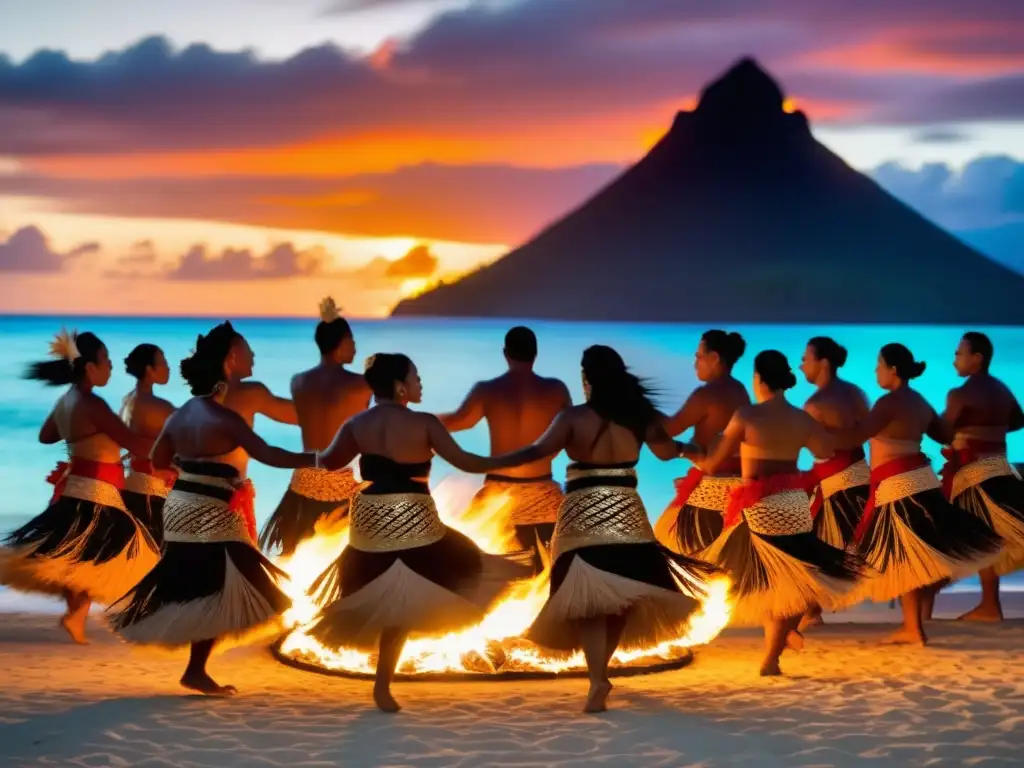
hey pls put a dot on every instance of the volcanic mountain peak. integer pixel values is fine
(744, 89)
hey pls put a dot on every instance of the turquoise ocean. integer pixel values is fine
(451, 355)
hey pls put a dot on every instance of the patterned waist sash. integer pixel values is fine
(324, 485)
(147, 480)
(958, 459)
(707, 491)
(88, 480)
(977, 472)
(530, 501)
(204, 509)
(773, 506)
(601, 507)
(392, 522)
(846, 469)
(894, 480)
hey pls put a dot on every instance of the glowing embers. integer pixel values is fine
(495, 646)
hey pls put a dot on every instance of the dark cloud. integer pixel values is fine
(418, 262)
(501, 66)
(28, 250)
(282, 261)
(481, 203)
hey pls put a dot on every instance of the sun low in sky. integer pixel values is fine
(243, 158)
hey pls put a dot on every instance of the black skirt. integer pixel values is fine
(840, 515)
(148, 510)
(78, 546)
(921, 540)
(295, 520)
(999, 503)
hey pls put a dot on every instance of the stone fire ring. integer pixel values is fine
(631, 670)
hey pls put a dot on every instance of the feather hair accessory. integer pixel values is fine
(369, 362)
(64, 346)
(329, 311)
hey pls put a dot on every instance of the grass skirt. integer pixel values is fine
(78, 546)
(202, 591)
(998, 502)
(313, 494)
(148, 510)
(839, 516)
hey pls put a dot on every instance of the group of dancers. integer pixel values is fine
(171, 545)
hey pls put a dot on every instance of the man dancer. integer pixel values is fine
(839, 486)
(518, 407)
(694, 519)
(978, 477)
(325, 397)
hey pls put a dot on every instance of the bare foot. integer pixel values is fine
(990, 614)
(203, 683)
(771, 669)
(597, 698)
(385, 701)
(75, 626)
(795, 640)
(906, 637)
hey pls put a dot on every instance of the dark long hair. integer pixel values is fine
(616, 394)
(203, 370)
(61, 372)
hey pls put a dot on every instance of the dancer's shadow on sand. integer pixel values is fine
(67, 733)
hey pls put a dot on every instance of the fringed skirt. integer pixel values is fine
(608, 563)
(530, 508)
(211, 582)
(694, 519)
(843, 497)
(991, 490)
(912, 537)
(86, 542)
(779, 567)
(313, 494)
(144, 497)
(405, 570)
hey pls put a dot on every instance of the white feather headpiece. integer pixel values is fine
(64, 346)
(369, 362)
(329, 311)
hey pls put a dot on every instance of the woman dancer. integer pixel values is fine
(694, 518)
(911, 537)
(86, 546)
(211, 582)
(403, 571)
(612, 584)
(145, 488)
(779, 568)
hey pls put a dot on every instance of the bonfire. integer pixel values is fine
(494, 646)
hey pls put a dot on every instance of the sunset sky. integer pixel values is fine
(246, 157)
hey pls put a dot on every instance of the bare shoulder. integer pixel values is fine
(166, 406)
(746, 413)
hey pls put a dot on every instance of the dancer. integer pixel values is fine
(612, 584)
(978, 477)
(86, 546)
(403, 571)
(211, 582)
(145, 487)
(325, 397)
(779, 568)
(910, 535)
(694, 518)
(518, 407)
(839, 486)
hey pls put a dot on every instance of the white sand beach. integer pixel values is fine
(844, 702)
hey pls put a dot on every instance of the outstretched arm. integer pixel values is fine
(276, 408)
(940, 430)
(467, 415)
(162, 452)
(258, 449)
(728, 445)
(342, 451)
(820, 441)
(550, 443)
(691, 412)
(110, 424)
(663, 446)
(878, 418)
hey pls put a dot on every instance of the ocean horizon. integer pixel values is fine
(451, 355)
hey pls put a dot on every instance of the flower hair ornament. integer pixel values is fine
(369, 363)
(329, 311)
(64, 346)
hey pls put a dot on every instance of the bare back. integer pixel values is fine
(202, 429)
(145, 415)
(772, 434)
(983, 408)
(326, 397)
(838, 406)
(593, 440)
(899, 421)
(709, 409)
(75, 417)
(518, 408)
(393, 431)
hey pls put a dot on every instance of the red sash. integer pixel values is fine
(144, 466)
(957, 459)
(688, 484)
(96, 470)
(243, 502)
(898, 466)
(753, 491)
(842, 460)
